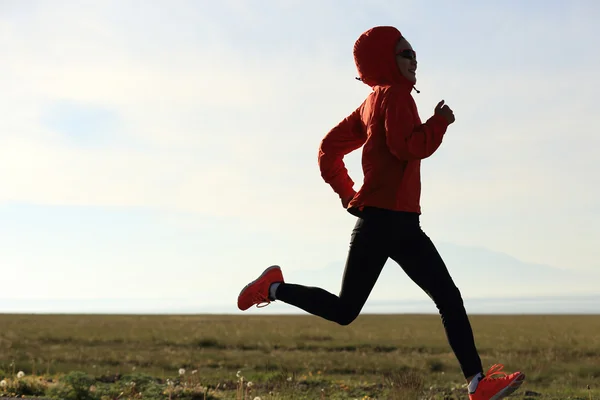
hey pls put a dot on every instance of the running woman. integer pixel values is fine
(387, 207)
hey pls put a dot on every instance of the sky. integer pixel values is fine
(158, 154)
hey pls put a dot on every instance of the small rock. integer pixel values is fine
(532, 393)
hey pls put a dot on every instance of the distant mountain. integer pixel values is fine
(485, 273)
(490, 282)
(574, 304)
(479, 273)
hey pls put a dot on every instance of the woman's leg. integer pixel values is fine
(365, 260)
(416, 254)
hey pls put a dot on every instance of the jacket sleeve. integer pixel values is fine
(346, 137)
(407, 141)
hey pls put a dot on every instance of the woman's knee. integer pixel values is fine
(346, 316)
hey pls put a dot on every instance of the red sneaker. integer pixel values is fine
(257, 291)
(493, 387)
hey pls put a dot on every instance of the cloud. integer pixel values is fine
(83, 124)
(221, 109)
(201, 132)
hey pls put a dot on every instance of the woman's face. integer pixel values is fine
(406, 59)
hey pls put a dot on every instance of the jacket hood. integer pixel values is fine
(375, 59)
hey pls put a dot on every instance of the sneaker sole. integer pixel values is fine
(510, 389)
(266, 271)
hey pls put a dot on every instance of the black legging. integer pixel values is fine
(378, 235)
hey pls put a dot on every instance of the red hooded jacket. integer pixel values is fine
(388, 125)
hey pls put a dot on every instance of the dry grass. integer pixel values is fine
(378, 356)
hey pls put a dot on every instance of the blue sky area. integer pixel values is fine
(159, 157)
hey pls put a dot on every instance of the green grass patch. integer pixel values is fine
(103, 357)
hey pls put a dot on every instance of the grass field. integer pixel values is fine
(288, 357)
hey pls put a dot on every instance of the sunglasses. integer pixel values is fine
(409, 54)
